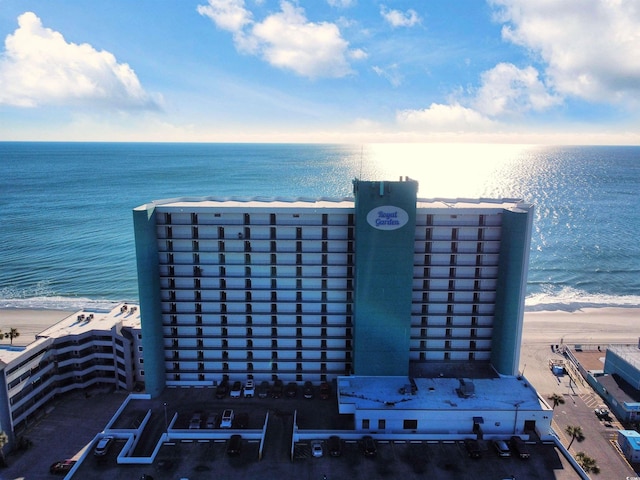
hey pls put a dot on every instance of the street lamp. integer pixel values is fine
(166, 422)
(515, 422)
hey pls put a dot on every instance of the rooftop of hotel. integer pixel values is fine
(80, 322)
(327, 202)
(438, 393)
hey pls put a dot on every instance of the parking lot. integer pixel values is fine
(201, 458)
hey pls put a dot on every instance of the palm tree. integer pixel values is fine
(587, 463)
(11, 334)
(575, 432)
(4, 439)
(557, 399)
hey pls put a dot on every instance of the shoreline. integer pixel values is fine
(595, 325)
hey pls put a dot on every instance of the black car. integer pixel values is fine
(234, 444)
(263, 389)
(222, 389)
(325, 390)
(369, 446)
(334, 445)
(241, 420)
(277, 389)
(307, 390)
(292, 389)
(473, 448)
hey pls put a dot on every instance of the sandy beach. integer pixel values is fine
(28, 322)
(590, 325)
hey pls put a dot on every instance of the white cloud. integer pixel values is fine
(228, 15)
(507, 90)
(396, 18)
(390, 73)
(286, 39)
(591, 47)
(40, 67)
(341, 3)
(445, 118)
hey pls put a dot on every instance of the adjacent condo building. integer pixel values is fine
(381, 284)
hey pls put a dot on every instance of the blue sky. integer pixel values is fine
(346, 71)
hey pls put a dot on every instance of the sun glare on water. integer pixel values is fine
(442, 170)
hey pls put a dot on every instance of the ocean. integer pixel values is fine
(66, 229)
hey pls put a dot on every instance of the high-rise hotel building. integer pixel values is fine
(381, 284)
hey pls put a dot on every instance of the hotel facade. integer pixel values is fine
(381, 284)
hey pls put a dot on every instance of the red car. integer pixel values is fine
(63, 466)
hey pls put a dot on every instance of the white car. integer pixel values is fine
(249, 389)
(316, 448)
(227, 419)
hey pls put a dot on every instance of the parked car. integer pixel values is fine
(103, 446)
(502, 448)
(236, 390)
(249, 388)
(473, 448)
(195, 421)
(263, 389)
(307, 390)
(602, 413)
(227, 418)
(325, 390)
(212, 420)
(63, 466)
(316, 449)
(241, 420)
(277, 389)
(369, 446)
(292, 389)
(234, 445)
(519, 447)
(222, 389)
(334, 445)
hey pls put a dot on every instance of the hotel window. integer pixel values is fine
(170, 258)
(274, 332)
(220, 232)
(447, 332)
(325, 219)
(299, 247)
(200, 365)
(472, 356)
(274, 319)
(272, 233)
(298, 233)
(247, 219)
(272, 218)
(200, 355)
(447, 344)
(472, 345)
(249, 343)
(325, 233)
(176, 355)
(197, 295)
(274, 343)
(198, 331)
(194, 218)
(274, 296)
(198, 319)
(194, 232)
(410, 424)
(249, 367)
(197, 283)
(167, 217)
(174, 319)
(169, 232)
(274, 366)
(170, 245)
(382, 424)
(365, 424)
(174, 331)
(196, 258)
(198, 307)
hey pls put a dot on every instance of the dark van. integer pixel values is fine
(334, 445)
(519, 447)
(233, 447)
